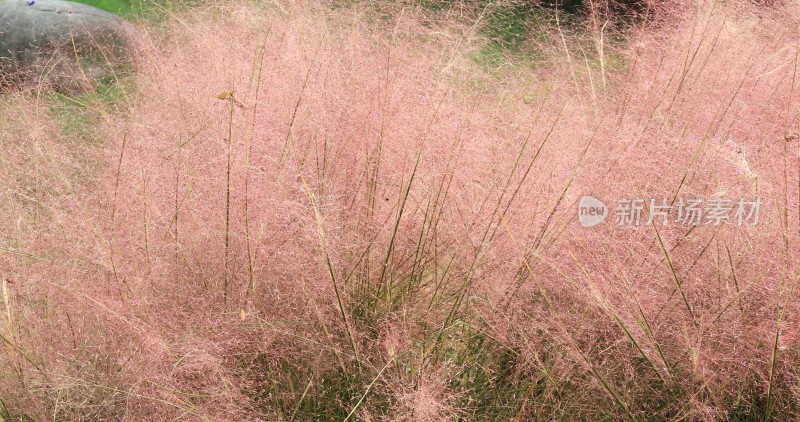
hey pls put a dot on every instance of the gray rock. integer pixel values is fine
(66, 44)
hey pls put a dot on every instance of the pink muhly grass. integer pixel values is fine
(299, 213)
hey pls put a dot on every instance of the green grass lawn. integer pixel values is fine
(126, 8)
(139, 9)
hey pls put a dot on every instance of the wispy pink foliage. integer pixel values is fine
(275, 160)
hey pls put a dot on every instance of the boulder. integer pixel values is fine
(69, 45)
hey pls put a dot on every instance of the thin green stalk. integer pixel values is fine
(774, 357)
(231, 104)
(675, 277)
(329, 265)
(297, 408)
(369, 387)
(258, 58)
(390, 249)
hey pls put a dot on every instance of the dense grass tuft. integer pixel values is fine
(301, 212)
